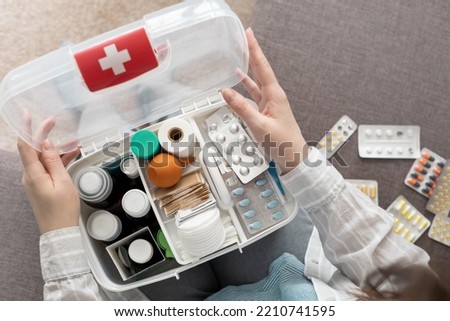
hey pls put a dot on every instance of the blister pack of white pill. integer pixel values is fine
(439, 202)
(389, 141)
(235, 145)
(440, 230)
(409, 223)
(336, 137)
(424, 173)
(367, 187)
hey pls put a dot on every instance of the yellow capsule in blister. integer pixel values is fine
(417, 220)
(423, 225)
(405, 232)
(364, 189)
(399, 205)
(373, 192)
(410, 216)
(398, 228)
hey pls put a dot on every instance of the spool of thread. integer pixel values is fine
(176, 136)
(144, 144)
(104, 226)
(164, 170)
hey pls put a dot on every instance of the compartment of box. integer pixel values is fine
(168, 223)
(124, 264)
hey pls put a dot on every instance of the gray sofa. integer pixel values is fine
(380, 62)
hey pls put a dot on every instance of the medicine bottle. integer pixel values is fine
(140, 253)
(104, 226)
(95, 187)
(129, 168)
(136, 205)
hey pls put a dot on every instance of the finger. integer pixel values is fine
(240, 105)
(259, 65)
(30, 158)
(26, 121)
(42, 131)
(251, 86)
(68, 157)
(52, 161)
(68, 146)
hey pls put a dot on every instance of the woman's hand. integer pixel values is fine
(274, 125)
(48, 186)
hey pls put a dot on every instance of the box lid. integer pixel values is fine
(125, 78)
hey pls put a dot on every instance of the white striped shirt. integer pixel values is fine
(353, 238)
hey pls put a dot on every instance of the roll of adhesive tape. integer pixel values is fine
(164, 170)
(177, 137)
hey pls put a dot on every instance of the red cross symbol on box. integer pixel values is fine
(117, 60)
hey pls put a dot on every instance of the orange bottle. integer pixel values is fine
(164, 170)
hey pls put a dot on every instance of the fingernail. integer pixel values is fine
(47, 144)
(250, 31)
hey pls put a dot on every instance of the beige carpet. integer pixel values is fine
(29, 29)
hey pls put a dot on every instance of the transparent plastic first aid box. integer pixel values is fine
(171, 65)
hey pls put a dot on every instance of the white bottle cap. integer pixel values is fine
(104, 226)
(140, 251)
(129, 167)
(94, 184)
(91, 183)
(135, 203)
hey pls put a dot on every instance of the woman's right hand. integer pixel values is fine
(273, 125)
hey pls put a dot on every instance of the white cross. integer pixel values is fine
(114, 59)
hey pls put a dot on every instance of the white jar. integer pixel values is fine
(136, 203)
(94, 185)
(104, 226)
(140, 251)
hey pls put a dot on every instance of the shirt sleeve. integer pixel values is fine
(65, 269)
(355, 233)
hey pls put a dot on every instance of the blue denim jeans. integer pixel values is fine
(235, 268)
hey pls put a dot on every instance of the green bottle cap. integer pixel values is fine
(144, 144)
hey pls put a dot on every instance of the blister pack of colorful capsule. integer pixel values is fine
(440, 230)
(439, 202)
(236, 146)
(424, 173)
(386, 141)
(367, 187)
(259, 204)
(336, 137)
(409, 223)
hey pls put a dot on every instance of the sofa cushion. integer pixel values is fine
(379, 62)
(20, 273)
